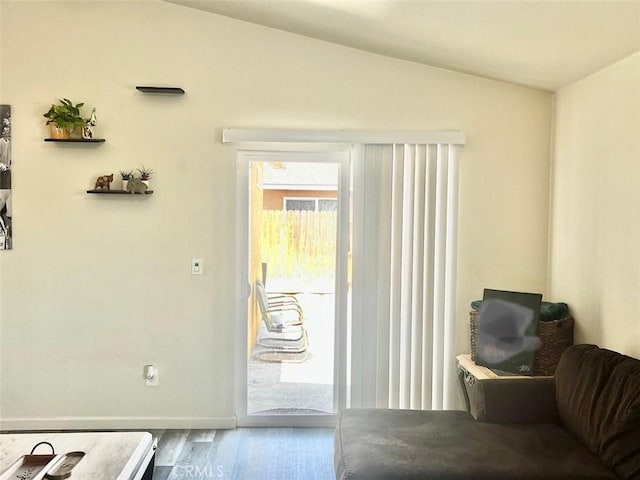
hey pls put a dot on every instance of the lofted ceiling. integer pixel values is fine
(537, 43)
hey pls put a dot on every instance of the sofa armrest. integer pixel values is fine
(515, 400)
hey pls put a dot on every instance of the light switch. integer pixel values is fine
(196, 266)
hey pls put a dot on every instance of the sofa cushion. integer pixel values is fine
(515, 400)
(409, 444)
(598, 398)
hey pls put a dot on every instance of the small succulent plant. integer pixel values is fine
(145, 173)
(126, 174)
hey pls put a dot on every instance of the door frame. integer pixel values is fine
(339, 154)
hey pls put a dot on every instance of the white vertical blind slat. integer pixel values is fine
(395, 318)
(405, 286)
(383, 277)
(428, 274)
(451, 277)
(439, 277)
(417, 269)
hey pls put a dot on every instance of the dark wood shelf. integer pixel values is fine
(75, 140)
(118, 192)
(171, 90)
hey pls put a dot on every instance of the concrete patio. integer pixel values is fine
(303, 387)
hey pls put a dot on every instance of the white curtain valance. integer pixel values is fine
(248, 137)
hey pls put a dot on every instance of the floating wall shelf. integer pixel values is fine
(119, 192)
(171, 90)
(75, 140)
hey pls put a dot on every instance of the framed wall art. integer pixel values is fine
(6, 230)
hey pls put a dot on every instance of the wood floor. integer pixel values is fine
(245, 454)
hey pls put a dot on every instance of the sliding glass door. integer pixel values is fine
(293, 226)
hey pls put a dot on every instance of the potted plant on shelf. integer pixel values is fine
(126, 176)
(63, 119)
(145, 175)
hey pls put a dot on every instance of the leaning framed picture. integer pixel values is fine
(6, 213)
(507, 329)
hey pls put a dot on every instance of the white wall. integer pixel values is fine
(595, 256)
(97, 287)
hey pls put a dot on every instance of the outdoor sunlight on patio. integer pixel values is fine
(318, 368)
(294, 229)
(298, 387)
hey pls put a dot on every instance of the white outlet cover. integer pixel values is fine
(155, 380)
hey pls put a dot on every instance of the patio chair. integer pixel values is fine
(274, 298)
(283, 318)
(277, 302)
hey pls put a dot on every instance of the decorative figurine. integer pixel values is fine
(88, 131)
(103, 182)
(135, 185)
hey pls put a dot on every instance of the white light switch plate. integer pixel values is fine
(196, 266)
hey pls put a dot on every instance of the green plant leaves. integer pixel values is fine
(66, 115)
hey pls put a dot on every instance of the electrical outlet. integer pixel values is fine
(196, 266)
(151, 376)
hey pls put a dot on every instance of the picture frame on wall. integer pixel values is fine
(6, 162)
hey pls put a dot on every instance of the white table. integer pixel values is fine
(470, 374)
(478, 371)
(109, 455)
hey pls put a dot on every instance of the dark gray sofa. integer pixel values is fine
(582, 424)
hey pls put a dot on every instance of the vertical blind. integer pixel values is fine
(405, 276)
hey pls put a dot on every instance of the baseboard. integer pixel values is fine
(116, 423)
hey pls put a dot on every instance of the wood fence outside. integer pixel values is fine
(299, 245)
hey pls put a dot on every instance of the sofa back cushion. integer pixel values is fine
(598, 398)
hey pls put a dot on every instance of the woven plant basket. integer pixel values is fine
(555, 337)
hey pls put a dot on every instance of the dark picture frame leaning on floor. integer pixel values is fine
(507, 329)
(6, 228)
